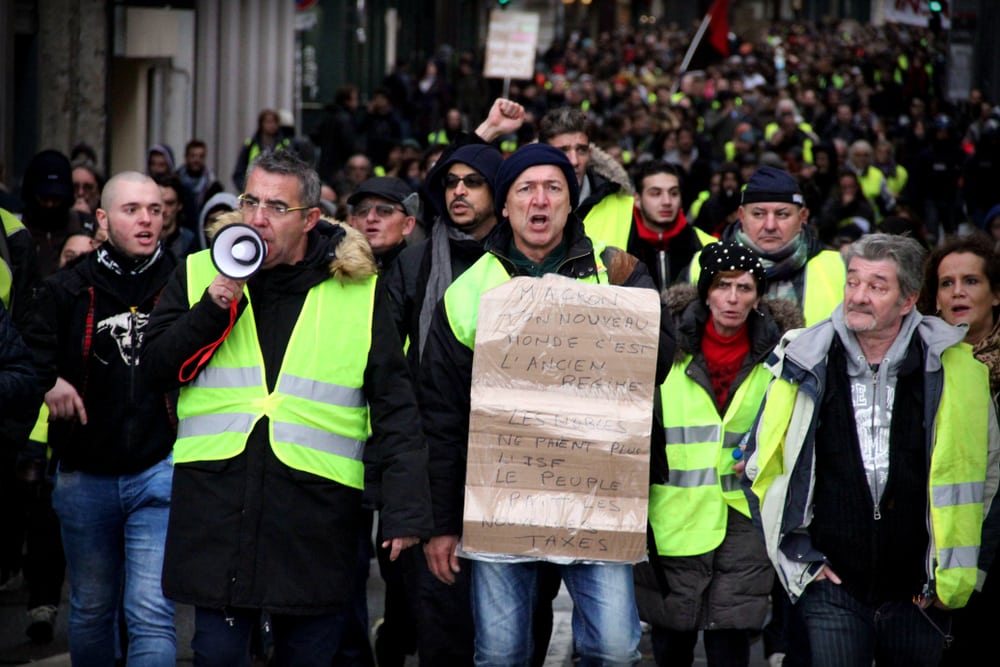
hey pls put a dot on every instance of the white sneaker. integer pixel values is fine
(775, 659)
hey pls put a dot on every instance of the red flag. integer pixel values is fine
(718, 29)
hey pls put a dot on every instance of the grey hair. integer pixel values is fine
(905, 252)
(287, 163)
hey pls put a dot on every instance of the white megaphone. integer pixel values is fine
(238, 251)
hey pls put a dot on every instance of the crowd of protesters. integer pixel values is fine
(826, 156)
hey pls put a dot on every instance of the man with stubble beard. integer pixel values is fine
(461, 188)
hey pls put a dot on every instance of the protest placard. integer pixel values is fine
(561, 411)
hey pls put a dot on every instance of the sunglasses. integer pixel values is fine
(381, 210)
(470, 181)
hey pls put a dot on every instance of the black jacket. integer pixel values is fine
(18, 388)
(446, 376)
(250, 531)
(406, 282)
(676, 259)
(130, 426)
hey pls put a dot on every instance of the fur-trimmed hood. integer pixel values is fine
(610, 169)
(345, 250)
(779, 316)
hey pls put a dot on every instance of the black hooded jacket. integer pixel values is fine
(407, 278)
(87, 325)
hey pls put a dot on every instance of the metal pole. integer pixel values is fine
(690, 52)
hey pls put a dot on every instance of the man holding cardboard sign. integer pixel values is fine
(553, 473)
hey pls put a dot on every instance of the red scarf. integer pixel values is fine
(659, 240)
(724, 356)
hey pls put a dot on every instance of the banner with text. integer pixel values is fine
(562, 404)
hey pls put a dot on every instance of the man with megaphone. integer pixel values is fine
(282, 372)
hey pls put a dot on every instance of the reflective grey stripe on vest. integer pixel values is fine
(680, 435)
(960, 493)
(318, 439)
(730, 482)
(212, 377)
(235, 422)
(689, 479)
(959, 557)
(321, 392)
(732, 440)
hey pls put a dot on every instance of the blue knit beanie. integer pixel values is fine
(770, 185)
(528, 156)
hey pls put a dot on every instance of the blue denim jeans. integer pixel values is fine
(606, 628)
(844, 631)
(113, 530)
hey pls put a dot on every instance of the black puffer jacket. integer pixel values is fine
(250, 531)
(129, 425)
(446, 375)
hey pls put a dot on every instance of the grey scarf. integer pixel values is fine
(440, 276)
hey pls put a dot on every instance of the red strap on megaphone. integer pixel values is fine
(201, 357)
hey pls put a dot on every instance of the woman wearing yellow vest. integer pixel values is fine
(708, 569)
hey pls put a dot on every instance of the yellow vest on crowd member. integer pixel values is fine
(438, 138)
(9, 225)
(610, 219)
(255, 148)
(698, 203)
(317, 413)
(871, 186)
(461, 299)
(689, 513)
(824, 284)
(897, 182)
(954, 479)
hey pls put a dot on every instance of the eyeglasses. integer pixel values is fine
(472, 180)
(249, 205)
(381, 210)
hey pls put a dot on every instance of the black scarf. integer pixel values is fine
(118, 262)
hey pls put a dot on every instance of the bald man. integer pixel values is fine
(111, 434)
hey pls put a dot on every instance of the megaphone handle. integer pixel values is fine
(201, 357)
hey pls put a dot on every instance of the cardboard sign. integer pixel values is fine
(562, 404)
(510, 45)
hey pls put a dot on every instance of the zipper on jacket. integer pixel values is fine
(135, 351)
(874, 435)
(664, 262)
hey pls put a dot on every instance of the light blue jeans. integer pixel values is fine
(113, 531)
(606, 628)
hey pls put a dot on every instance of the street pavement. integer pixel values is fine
(15, 649)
